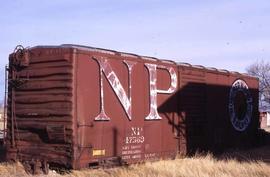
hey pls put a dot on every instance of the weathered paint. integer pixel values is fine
(79, 106)
(152, 69)
(116, 86)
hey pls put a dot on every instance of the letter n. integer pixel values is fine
(106, 70)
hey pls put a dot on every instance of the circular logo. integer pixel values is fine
(240, 105)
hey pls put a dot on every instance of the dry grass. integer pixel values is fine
(206, 166)
(10, 170)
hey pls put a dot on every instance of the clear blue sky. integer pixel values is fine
(224, 34)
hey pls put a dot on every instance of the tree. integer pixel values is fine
(261, 69)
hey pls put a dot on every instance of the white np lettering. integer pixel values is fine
(125, 99)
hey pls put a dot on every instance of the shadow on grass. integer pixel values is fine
(260, 152)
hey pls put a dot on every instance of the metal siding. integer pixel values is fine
(62, 99)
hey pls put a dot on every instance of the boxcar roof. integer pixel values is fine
(125, 54)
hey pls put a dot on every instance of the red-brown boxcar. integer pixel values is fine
(78, 106)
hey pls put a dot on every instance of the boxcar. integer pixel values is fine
(78, 106)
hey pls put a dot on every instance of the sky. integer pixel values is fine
(224, 34)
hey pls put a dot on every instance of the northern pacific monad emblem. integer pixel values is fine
(240, 105)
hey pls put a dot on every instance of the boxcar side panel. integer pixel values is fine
(118, 135)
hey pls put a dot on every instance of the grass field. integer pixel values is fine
(200, 165)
